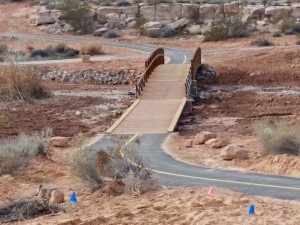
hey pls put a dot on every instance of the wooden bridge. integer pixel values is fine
(161, 93)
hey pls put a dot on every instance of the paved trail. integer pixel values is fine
(170, 171)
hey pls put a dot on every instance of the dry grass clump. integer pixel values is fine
(16, 152)
(278, 138)
(91, 49)
(25, 208)
(20, 83)
(93, 166)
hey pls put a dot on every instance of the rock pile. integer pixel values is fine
(126, 77)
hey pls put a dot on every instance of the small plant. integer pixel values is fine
(20, 82)
(84, 164)
(91, 49)
(16, 152)
(278, 138)
(262, 43)
(277, 34)
(78, 15)
(111, 34)
(227, 28)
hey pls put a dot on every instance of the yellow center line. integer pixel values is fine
(202, 178)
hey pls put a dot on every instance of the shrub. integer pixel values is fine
(20, 82)
(277, 34)
(123, 3)
(78, 15)
(227, 28)
(280, 138)
(262, 42)
(111, 34)
(91, 49)
(93, 165)
(84, 164)
(20, 150)
(3, 49)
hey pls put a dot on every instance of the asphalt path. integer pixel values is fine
(167, 169)
(172, 172)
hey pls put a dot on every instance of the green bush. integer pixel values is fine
(278, 138)
(227, 28)
(262, 42)
(78, 15)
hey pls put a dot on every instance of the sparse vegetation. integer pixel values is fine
(91, 49)
(25, 208)
(21, 83)
(227, 28)
(93, 165)
(78, 15)
(278, 138)
(262, 42)
(16, 152)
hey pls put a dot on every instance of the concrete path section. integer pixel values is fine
(159, 103)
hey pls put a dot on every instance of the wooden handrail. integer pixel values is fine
(156, 58)
(158, 51)
(195, 63)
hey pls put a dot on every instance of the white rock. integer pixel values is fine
(203, 136)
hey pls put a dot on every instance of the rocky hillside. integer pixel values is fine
(153, 15)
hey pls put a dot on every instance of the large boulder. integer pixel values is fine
(296, 10)
(176, 10)
(100, 32)
(231, 9)
(163, 12)
(44, 18)
(256, 12)
(190, 11)
(203, 136)
(151, 25)
(178, 24)
(234, 151)
(195, 29)
(219, 11)
(276, 11)
(62, 142)
(130, 11)
(207, 13)
(56, 197)
(148, 12)
(112, 16)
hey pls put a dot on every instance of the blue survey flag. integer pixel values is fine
(73, 197)
(251, 210)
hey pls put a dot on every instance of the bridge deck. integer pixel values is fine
(160, 103)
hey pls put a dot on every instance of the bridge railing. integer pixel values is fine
(157, 58)
(195, 64)
(158, 51)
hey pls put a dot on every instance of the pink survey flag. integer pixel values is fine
(211, 191)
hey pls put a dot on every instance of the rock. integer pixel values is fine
(178, 24)
(296, 10)
(152, 25)
(62, 142)
(188, 143)
(190, 11)
(131, 24)
(194, 29)
(231, 9)
(275, 11)
(148, 12)
(203, 136)
(256, 12)
(100, 31)
(46, 19)
(56, 197)
(207, 13)
(234, 151)
(163, 12)
(112, 16)
(218, 143)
